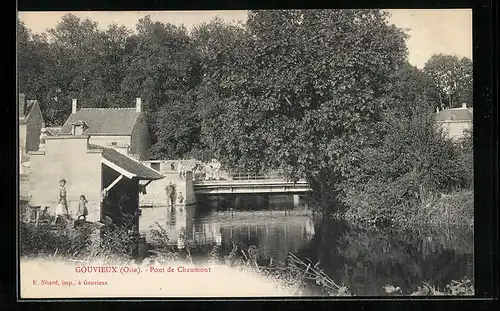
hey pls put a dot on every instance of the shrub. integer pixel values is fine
(452, 209)
(164, 251)
(466, 147)
(43, 240)
(464, 287)
(86, 242)
(409, 169)
(112, 243)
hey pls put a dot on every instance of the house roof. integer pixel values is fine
(127, 164)
(30, 104)
(53, 131)
(103, 121)
(457, 114)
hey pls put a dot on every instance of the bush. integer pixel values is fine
(450, 209)
(164, 251)
(113, 243)
(409, 170)
(466, 147)
(45, 241)
(464, 287)
(86, 242)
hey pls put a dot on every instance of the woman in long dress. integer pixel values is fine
(62, 204)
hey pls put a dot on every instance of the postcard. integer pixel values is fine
(260, 153)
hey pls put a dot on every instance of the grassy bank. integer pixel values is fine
(454, 209)
(296, 276)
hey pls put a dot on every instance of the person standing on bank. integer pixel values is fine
(82, 208)
(170, 194)
(180, 197)
(181, 170)
(62, 204)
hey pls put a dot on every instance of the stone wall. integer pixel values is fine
(22, 137)
(66, 157)
(156, 195)
(106, 141)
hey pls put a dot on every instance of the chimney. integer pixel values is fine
(138, 104)
(22, 105)
(464, 105)
(73, 106)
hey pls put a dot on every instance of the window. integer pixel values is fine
(113, 143)
(155, 166)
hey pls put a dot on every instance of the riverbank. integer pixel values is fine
(361, 260)
(455, 209)
(55, 277)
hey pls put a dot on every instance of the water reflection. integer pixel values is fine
(363, 259)
(273, 232)
(367, 259)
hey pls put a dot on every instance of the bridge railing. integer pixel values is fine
(253, 176)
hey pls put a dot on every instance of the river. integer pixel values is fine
(364, 259)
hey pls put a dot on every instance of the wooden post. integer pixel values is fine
(114, 183)
(146, 184)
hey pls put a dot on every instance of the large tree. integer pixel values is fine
(451, 79)
(75, 59)
(162, 68)
(414, 161)
(35, 64)
(219, 46)
(89, 62)
(309, 87)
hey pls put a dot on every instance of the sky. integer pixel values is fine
(447, 31)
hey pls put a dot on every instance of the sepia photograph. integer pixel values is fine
(245, 153)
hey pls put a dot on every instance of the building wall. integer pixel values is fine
(172, 166)
(23, 159)
(455, 129)
(22, 137)
(24, 187)
(141, 139)
(156, 195)
(34, 122)
(66, 157)
(106, 141)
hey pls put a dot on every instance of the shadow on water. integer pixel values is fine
(364, 259)
(368, 259)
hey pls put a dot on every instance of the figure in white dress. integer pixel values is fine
(216, 169)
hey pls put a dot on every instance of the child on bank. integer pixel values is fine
(82, 208)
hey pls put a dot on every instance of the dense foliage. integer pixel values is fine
(450, 81)
(325, 95)
(366, 258)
